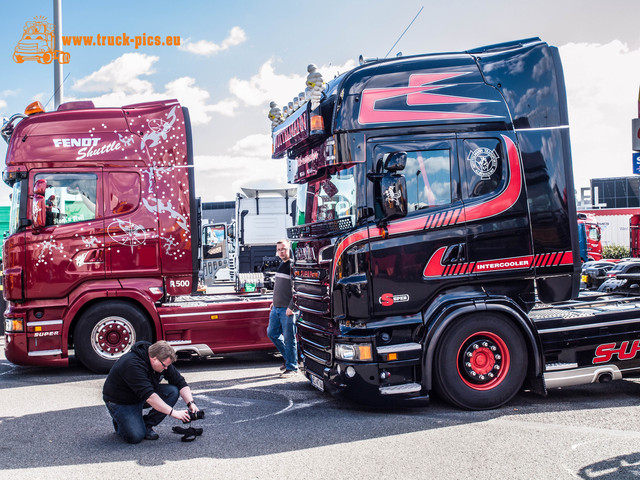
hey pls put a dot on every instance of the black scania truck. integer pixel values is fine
(436, 246)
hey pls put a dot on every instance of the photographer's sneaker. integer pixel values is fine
(151, 435)
(288, 373)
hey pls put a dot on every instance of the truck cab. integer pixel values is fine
(433, 190)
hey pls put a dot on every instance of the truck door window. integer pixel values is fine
(123, 192)
(69, 197)
(213, 237)
(16, 213)
(428, 177)
(330, 198)
(484, 166)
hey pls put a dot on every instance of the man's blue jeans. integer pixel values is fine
(282, 332)
(130, 424)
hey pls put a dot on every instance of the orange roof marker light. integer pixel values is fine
(33, 108)
(317, 124)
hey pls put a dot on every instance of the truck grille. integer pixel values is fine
(316, 345)
(311, 294)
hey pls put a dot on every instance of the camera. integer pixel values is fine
(199, 415)
(190, 433)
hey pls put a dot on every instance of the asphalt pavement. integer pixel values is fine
(53, 424)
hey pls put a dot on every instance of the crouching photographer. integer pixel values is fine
(133, 384)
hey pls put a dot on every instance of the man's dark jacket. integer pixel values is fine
(132, 380)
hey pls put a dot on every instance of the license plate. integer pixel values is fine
(584, 279)
(317, 382)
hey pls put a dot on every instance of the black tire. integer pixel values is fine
(480, 362)
(108, 330)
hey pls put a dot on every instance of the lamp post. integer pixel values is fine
(57, 66)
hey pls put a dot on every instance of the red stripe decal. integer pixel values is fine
(344, 244)
(448, 216)
(417, 94)
(567, 258)
(554, 259)
(429, 221)
(434, 267)
(458, 211)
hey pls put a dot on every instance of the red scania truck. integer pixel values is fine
(104, 235)
(438, 247)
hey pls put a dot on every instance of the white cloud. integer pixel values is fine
(121, 83)
(256, 145)
(120, 75)
(219, 177)
(5, 94)
(602, 90)
(267, 85)
(207, 48)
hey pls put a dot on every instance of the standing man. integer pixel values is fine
(134, 384)
(281, 329)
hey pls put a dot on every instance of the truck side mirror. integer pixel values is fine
(396, 162)
(38, 209)
(393, 189)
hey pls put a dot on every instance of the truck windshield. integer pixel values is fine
(329, 198)
(14, 216)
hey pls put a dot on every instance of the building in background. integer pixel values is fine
(613, 201)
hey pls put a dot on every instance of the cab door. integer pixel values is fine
(499, 243)
(433, 228)
(69, 248)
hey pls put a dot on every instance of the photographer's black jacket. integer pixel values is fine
(133, 380)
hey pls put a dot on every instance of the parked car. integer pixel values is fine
(623, 277)
(595, 273)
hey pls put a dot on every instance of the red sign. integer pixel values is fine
(293, 131)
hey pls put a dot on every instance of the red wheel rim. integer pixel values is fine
(483, 361)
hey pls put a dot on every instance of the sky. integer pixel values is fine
(236, 57)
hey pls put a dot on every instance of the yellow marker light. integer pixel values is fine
(33, 108)
(392, 356)
(214, 317)
(365, 352)
(14, 325)
(38, 329)
(317, 123)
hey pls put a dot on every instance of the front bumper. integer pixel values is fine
(395, 373)
(16, 350)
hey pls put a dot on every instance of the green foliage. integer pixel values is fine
(615, 251)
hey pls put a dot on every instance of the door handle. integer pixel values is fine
(454, 254)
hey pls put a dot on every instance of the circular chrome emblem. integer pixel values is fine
(484, 162)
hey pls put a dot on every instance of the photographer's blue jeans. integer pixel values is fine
(282, 332)
(131, 424)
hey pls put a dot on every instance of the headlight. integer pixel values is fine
(354, 351)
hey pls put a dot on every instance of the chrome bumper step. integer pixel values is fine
(400, 389)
